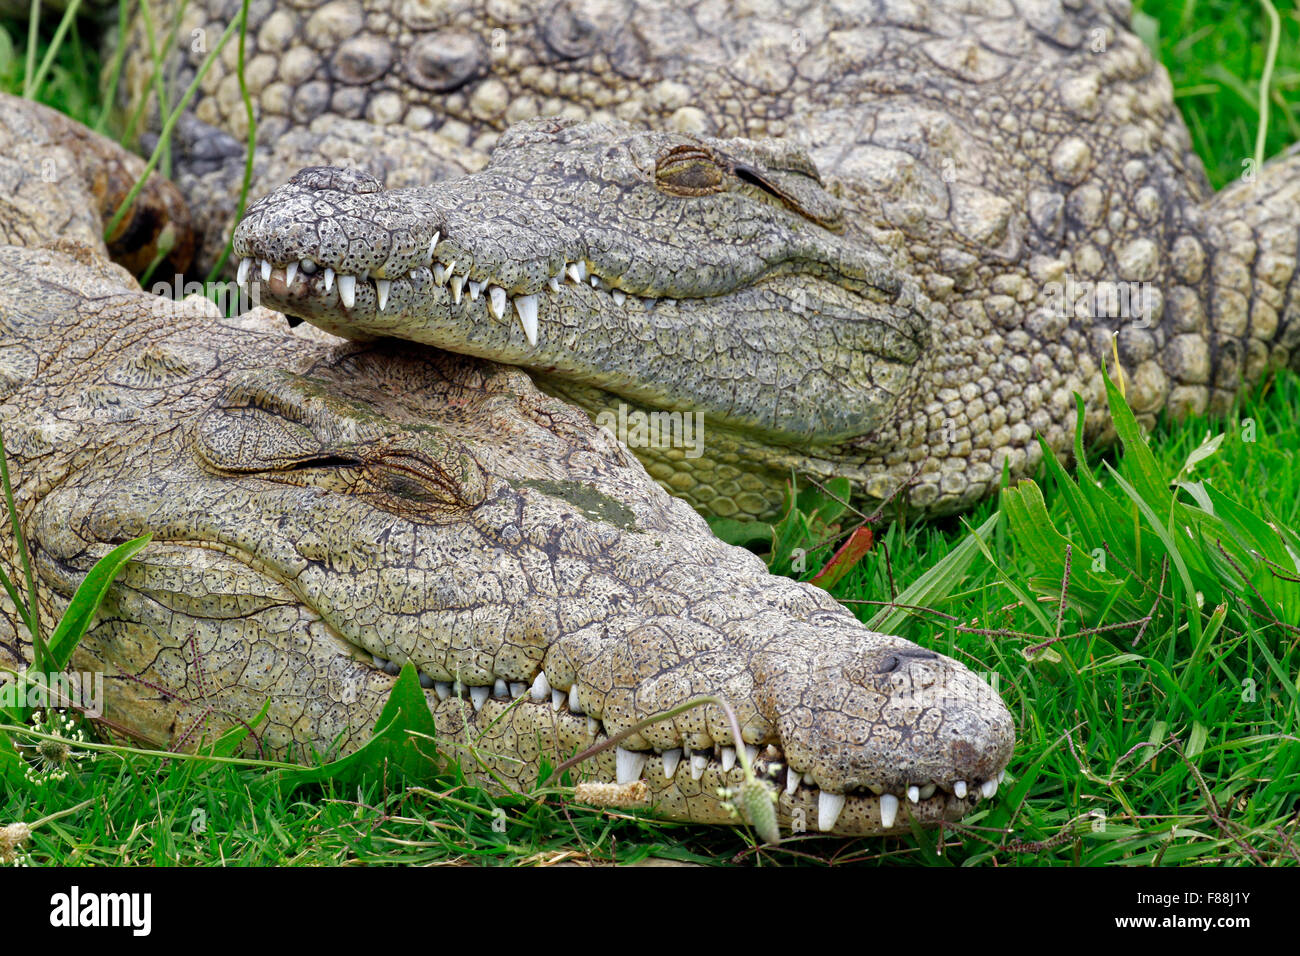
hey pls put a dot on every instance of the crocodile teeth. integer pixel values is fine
(988, 788)
(959, 788)
(914, 794)
(478, 696)
(496, 301)
(541, 687)
(808, 779)
(573, 700)
(425, 680)
(241, 276)
(329, 278)
(381, 289)
(456, 283)
(443, 688)
(728, 759)
(526, 306)
(699, 762)
(619, 296)
(378, 661)
(557, 699)
(474, 289)
(439, 273)
(1002, 775)
(751, 753)
(290, 273)
(791, 782)
(595, 282)
(348, 291)
(517, 689)
(928, 791)
(829, 806)
(671, 759)
(628, 765)
(308, 266)
(499, 688)
(433, 242)
(888, 809)
(593, 726)
(554, 283)
(577, 271)
(266, 270)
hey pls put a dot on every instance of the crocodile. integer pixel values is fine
(888, 240)
(324, 512)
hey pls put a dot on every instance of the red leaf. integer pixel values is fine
(850, 553)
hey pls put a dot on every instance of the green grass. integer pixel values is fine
(1176, 750)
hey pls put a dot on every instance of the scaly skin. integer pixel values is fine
(897, 319)
(323, 511)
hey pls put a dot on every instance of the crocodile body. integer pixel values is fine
(324, 511)
(885, 240)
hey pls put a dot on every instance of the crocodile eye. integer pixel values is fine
(690, 171)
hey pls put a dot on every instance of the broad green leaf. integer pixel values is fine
(402, 742)
(936, 583)
(86, 601)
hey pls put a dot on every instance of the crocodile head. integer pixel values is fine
(322, 513)
(660, 269)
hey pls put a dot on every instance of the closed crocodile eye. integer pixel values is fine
(689, 171)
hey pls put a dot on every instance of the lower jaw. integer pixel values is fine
(502, 742)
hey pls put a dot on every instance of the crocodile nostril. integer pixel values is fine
(891, 663)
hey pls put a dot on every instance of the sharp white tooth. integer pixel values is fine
(308, 266)
(888, 809)
(425, 680)
(728, 759)
(378, 661)
(699, 762)
(517, 689)
(671, 759)
(988, 788)
(595, 282)
(628, 765)
(392, 668)
(329, 278)
(478, 696)
(575, 271)
(413, 274)
(443, 688)
(573, 700)
(1002, 775)
(266, 270)
(541, 687)
(914, 794)
(439, 273)
(496, 301)
(829, 806)
(752, 753)
(348, 291)
(290, 273)
(619, 296)
(554, 283)
(928, 791)
(593, 725)
(474, 289)
(526, 306)
(456, 283)
(241, 277)
(457, 689)
(791, 782)
(433, 242)
(808, 779)
(381, 289)
(499, 688)
(959, 788)
(557, 699)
